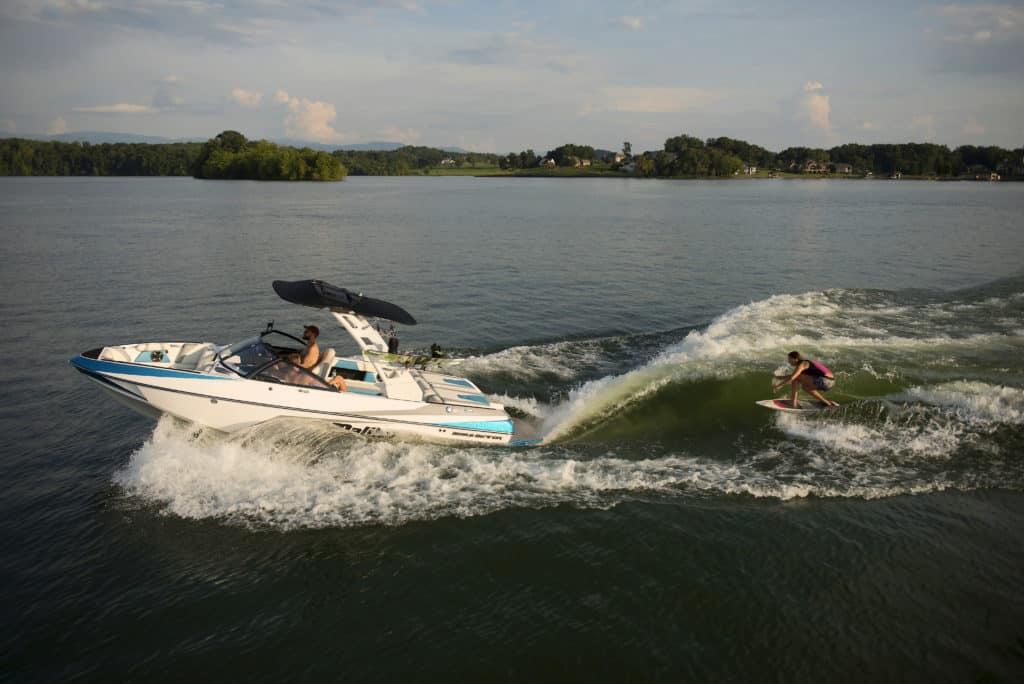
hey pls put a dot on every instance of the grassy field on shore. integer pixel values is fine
(464, 171)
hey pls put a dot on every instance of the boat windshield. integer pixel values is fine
(289, 374)
(261, 360)
(247, 356)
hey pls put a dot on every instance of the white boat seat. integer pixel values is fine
(114, 354)
(196, 356)
(323, 366)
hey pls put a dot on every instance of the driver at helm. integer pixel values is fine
(310, 354)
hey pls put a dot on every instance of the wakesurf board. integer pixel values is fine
(803, 406)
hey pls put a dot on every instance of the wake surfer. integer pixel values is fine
(813, 377)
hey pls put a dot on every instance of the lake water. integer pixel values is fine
(669, 530)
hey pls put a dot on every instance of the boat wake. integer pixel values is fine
(933, 396)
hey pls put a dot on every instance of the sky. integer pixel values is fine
(503, 76)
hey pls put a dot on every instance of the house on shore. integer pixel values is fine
(844, 169)
(981, 172)
(749, 169)
(809, 166)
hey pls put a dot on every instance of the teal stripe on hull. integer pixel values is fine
(503, 426)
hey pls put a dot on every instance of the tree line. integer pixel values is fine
(689, 156)
(231, 155)
(408, 160)
(916, 159)
(20, 157)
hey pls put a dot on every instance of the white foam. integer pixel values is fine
(892, 437)
(300, 476)
(606, 396)
(560, 359)
(351, 481)
(848, 437)
(975, 402)
(528, 405)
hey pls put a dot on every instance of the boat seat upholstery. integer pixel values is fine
(196, 356)
(323, 366)
(114, 354)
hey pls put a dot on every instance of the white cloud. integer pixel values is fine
(9, 126)
(79, 5)
(171, 78)
(815, 107)
(309, 119)
(972, 127)
(981, 22)
(654, 100)
(119, 108)
(254, 30)
(631, 23)
(57, 126)
(247, 98)
(985, 38)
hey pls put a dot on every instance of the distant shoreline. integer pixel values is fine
(784, 177)
(231, 156)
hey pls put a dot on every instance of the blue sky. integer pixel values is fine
(503, 76)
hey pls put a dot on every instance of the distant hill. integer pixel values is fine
(99, 137)
(329, 147)
(376, 146)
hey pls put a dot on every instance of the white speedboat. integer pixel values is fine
(236, 386)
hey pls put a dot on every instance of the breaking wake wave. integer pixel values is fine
(932, 388)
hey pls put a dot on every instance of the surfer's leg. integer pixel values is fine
(807, 383)
(817, 395)
(796, 391)
(819, 385)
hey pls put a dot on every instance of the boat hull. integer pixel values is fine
(232, 404)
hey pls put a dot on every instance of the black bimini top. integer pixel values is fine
(321, 295)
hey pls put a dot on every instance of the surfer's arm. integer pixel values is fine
(796, 374)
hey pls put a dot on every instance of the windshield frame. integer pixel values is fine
(310, 380)
(225, 355)
(267, 355)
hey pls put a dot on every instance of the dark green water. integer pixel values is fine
(670, 530)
